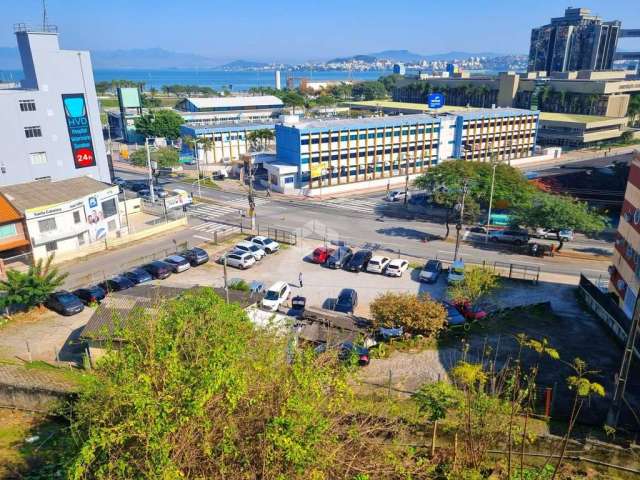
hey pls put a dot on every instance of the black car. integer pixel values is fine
(90, 295)
(117, 284)
(196, 256)
(137, 186)
(158, 269)
(347, 301)
(138, 275)
(359, 261)
(64, 303)
(339, 258)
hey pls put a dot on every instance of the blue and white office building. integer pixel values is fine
(340, 155)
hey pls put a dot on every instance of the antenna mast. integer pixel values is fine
(44, 15)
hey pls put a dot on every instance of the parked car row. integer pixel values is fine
(71, 303)
(344, 257)
(245, 254)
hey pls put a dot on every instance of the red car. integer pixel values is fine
(469, 312)
(321, 254)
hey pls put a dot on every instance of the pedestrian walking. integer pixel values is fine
(300, 279)
(268, 190)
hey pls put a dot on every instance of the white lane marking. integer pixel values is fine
(203, 238)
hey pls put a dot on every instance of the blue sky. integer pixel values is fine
(294, 30)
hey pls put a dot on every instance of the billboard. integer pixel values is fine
(129, 97)
(77, 118)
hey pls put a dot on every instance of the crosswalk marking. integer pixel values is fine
(211, 227)
(355, 204)
(215, 210)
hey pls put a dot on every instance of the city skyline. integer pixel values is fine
(240, 32)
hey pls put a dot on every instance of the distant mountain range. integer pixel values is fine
(406, 56)
(158, 58)
(241, 64)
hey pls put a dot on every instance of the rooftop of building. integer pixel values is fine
(24, 196)
(114, 313)
(418, 107)
(231, 126)
(8, 212)
(576, 118)
(410, 119)
(235, 101)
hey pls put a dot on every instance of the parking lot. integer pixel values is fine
(320, 284)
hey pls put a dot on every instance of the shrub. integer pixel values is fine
(418, 315)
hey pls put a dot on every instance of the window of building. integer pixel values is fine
(47, 225)
(51, 246)
(288, 179)
(76, 216)
(31, 132)
(38, 158)
(27, 105)
(109, 208)
(8, 230)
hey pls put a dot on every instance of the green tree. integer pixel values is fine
(326, 101)
(435, 400)
(444, 181)
(161, 123)
(418, 315)
(32, 288)
(165, 157)
(374, 90)
(557, 212)
(478, 281)
(293, 99)
(195, 391)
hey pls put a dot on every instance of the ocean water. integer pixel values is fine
(216, 79)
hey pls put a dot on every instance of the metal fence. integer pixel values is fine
(101, 275)
(17, 262)
(514, 271)
(279, 234)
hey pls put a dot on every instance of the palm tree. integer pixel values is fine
(32, 288)
(206, 143)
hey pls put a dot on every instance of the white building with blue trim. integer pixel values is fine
(329, 156)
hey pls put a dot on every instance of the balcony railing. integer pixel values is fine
(23, 27)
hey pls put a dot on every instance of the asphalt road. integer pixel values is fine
(362, 221)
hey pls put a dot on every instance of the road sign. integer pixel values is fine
(435, 100)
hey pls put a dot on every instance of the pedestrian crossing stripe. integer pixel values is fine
(357, 205)
(211, 227)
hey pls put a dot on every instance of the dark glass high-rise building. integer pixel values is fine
(577, 41)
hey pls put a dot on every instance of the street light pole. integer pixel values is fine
(195, 151)
(459, 224)
(151, 192)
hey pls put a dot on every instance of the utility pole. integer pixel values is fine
(197, 157)
(251, 198)
(493, 181)
(406, 188)
(151, 192)
(226, 287)
(465, 188)
(621, 382)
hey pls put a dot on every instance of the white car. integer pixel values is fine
(252, 248)
(377, 264)
(566, 234)
(395, 196)
(266, 244)
(456, 272)
(276, 295)
(396, 267)
(240, 260)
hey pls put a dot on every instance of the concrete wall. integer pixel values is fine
(30, 398)
(50, 72)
